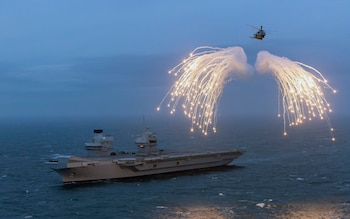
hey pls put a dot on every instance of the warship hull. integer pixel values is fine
(74, 170)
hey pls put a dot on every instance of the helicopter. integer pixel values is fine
(260, 34)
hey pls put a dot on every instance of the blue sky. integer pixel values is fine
(86, 58)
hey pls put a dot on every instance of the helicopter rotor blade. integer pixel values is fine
(253, 27)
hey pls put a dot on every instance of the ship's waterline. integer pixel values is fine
(102, 163)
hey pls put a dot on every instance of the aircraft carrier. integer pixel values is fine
(103, 163)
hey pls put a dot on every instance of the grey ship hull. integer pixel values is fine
(74, 169)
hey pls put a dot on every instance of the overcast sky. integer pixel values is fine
(90, 58)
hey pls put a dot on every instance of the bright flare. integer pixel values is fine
(300, 92)
(201, 80)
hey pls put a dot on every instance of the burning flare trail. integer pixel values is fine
(300, 91)
(201, 80)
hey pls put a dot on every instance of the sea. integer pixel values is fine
(301, 175)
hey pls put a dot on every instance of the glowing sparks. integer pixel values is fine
(300, 91)
(202, 77)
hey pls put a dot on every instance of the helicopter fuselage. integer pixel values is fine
(260, 34)
(258, 37)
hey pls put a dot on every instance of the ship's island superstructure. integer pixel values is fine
(103, 163)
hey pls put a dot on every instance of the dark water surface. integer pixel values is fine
(302, 175)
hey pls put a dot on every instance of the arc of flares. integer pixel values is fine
(300, 92)
(201, 80)
(203, 75)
